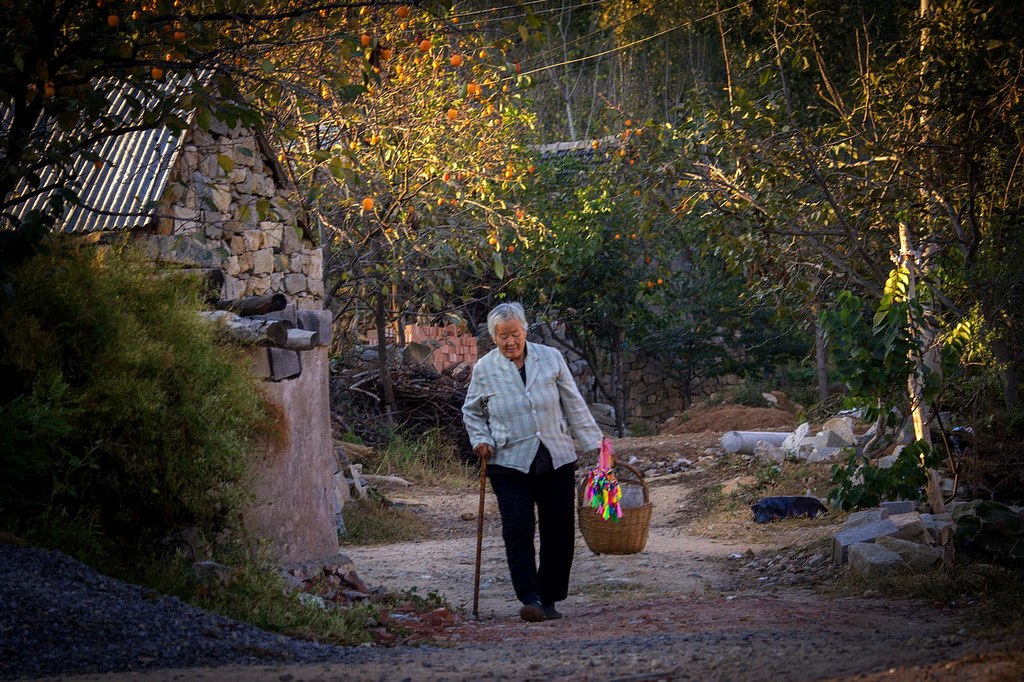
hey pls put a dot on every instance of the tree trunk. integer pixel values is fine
(1008, 368)
(618, 383)
(380, 317)
(915, 382)
(821, 358)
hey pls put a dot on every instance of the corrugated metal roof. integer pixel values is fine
(122, 192)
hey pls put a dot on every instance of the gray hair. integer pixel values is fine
(504, 312)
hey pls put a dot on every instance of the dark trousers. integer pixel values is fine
(552, 495)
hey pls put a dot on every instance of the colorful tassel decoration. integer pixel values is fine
(602, 489)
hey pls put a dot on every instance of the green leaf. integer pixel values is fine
(499, 266)
(268, 67)
(225, 162)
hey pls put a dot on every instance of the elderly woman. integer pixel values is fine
(521, 406)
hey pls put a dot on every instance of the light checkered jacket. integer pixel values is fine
(514, 419)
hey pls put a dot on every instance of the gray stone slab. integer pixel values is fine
(893, 507)
(870, 560)
(867, 532)
(284, 364)
(859, 518)
(822, 454)
(910, 527)
(830, 439)
(318, 321)
(939, 527)
(919, 558)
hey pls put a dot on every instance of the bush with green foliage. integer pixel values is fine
(859, 484)
(122, 420)
(991, 528)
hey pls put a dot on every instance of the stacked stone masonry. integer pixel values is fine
(227, 208)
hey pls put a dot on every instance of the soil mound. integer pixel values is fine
(720, 418)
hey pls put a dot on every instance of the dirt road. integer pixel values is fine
(738, 606)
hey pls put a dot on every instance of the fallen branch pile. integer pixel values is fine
(424, 399)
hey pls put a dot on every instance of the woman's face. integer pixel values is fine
(511, 339)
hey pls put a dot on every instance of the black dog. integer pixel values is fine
(771, 508)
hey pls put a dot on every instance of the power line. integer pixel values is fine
(627, 46)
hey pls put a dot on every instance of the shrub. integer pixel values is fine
(122, 419)
(859, 484)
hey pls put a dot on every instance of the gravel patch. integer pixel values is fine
(60, 617)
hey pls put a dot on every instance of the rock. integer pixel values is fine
(827, 438)
(767, 452)
(841, 429)
(893, 507)
(823, 454)
(868, 532)
(909, 527)
(733, 484)
(210, 573)
(791, 444)
(919, 558)
(887, 461)
(870, 560)
(859, 518)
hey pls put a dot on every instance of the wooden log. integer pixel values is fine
(247, 330)
(377, 478)
(253, 305)
(301, 339)
(355, 450)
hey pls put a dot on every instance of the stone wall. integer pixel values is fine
(652, 395)
(227, 206)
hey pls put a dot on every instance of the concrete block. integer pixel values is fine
(859, 518)
(910, 527)
(941, 528)
(284, 364)
(898, 507)
(870, 560)
(919, 558)
(867, 532)
(319, 321)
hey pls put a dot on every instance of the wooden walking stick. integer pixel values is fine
(479, 538)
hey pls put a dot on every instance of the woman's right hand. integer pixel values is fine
(483, 451)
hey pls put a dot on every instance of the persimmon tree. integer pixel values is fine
(413, 165)
(63, 62)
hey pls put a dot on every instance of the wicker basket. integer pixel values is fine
(628, 535)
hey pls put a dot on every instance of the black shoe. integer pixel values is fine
(549, 612)
(533, 612)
